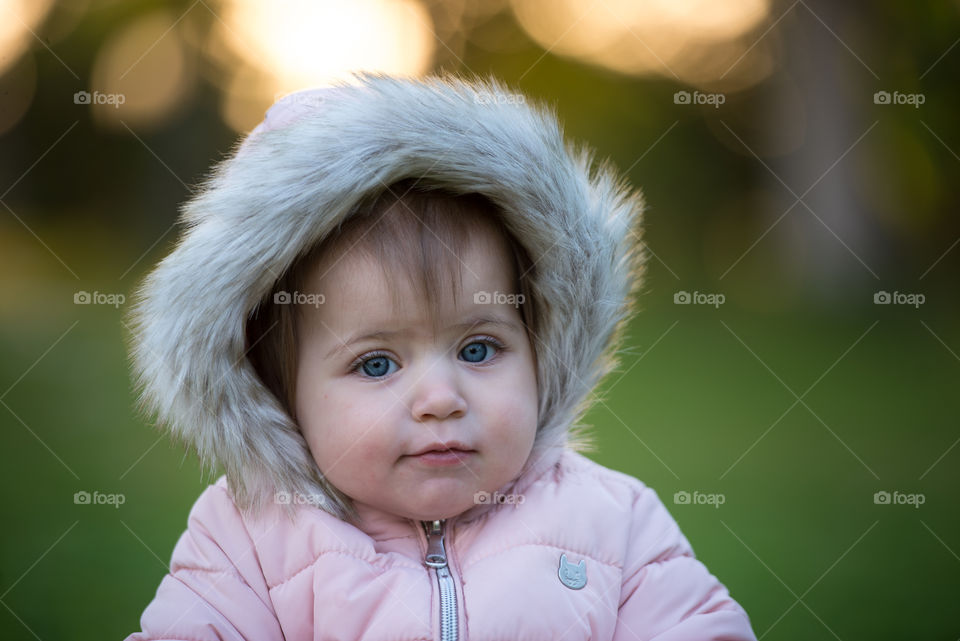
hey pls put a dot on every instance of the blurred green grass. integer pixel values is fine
(690, 409)
(799, 513)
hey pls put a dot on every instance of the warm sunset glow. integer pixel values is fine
(140, 73)
(284, 46)
(20, 17)
(694, 41)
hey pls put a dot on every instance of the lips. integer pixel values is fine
(443, 455)
(451, 447)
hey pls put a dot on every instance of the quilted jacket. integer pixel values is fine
(574, 551)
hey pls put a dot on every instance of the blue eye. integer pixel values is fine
(380, 364)
(377, 366)
(476, 352)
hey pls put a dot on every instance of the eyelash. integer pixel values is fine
(489, 340)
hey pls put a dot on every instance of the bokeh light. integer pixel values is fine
(143, 62)
(17, 87)
(272, 49)
(698, 42)
(20, 20)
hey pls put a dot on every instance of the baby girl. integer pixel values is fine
(386, 314)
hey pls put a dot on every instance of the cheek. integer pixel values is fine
(525, 384)
(342, 430)
(513, 408)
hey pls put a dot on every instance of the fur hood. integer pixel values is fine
(316, 156)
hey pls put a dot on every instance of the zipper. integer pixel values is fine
(436, 558)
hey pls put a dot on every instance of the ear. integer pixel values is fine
(582, 566)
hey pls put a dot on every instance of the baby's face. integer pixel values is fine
(410, 421)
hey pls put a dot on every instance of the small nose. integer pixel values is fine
(436, 394)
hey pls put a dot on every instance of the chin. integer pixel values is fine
(441, 499)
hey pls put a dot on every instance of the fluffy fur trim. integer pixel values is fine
(296, 177)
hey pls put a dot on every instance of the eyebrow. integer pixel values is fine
(465, 327)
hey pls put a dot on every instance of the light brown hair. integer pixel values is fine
(410, 231)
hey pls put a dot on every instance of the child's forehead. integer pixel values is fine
(362, 281)
(358, 292)
(357, 266)
(390, 327)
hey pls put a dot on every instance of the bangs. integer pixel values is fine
(417, 238)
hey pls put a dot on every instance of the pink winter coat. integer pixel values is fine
(586, 553)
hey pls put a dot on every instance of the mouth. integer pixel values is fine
(443, 454)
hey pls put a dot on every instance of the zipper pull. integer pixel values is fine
(436, 554)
